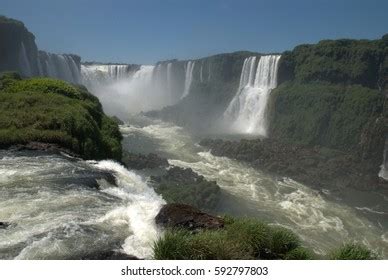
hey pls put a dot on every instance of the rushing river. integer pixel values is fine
(54, 210)
(59, 207)
(322, 221)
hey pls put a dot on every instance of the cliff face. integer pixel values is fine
(215, 80)
(18, 51)
(333, 94)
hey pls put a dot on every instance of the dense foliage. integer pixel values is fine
(240, 239)
(337, 61)
(54, 111)
(324, 114)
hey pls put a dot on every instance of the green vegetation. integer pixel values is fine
(53, 111)
(353, 251)
(336, 61)
(244, 239)
(330, 115)
(332, 94)
(240, 239)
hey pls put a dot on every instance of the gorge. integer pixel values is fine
(296, 139)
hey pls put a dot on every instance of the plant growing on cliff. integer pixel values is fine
(53, 111)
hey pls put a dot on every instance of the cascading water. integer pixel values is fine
(100, 73)
(246, 113)
(188, 77)
(169, 80)
(62, 208)
(24, 63)
(318, 216)
(59, 66)
(384, 167)
(201, 73)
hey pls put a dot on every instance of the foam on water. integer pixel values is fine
(321, 223)
(55, 215)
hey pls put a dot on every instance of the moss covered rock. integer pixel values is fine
(53, 111)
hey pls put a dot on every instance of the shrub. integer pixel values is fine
(241, 238)
(353, 251)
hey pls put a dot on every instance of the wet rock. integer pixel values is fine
(315, 166)
(140, 161)
(109, 255)
(180, 185)
(46, 147)
(185, 216)
(4, 225)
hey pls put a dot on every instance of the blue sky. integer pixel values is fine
(145, 31)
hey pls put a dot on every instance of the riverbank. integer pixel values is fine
(318, 167)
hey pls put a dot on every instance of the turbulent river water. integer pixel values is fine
(55, 211)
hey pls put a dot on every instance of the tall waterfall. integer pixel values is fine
(24, 63)
(103, 73)
(384, 167)
(59, 66)
(169, 78)
(246, 113)
(201, 73)
(188, 77)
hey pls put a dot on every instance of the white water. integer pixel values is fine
(54, 215)
(384, 167)
(188, 77)
(103, 73)
(201, 73)
(246, 112)
(142, 206)
(59, 66)
(322, 224)
(170, 81)
(24, 62)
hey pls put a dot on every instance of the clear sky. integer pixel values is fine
(145, 31)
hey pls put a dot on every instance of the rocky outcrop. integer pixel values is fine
(4, 225)
(215, 82)
(181, 185)
(45, 147)
(140, 161)
(109, 255)
(188, 217)
(18, 51)
(318, 167)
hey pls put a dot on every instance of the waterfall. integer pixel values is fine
(24, 62)
(209, 73)
(246, 113)
(93, 74)
(384, 167)
(201, 73)
(188, 77)
(59, 66)
(169, 81)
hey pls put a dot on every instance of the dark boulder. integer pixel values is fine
(109, 255)
(185, 216)
(4, 225)
(183, 185)
(140, 161)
